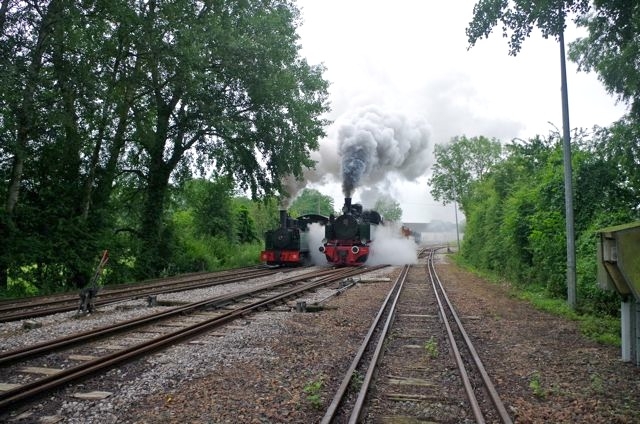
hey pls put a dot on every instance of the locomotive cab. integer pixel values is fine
(282, 245)
(288, 244)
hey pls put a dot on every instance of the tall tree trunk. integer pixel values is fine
(157, 184)
(24, 116)
(122, 105)
(69, 160)
(4, 6)
(24, 112)
(151, 258)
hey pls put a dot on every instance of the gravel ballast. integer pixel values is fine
(283, 366)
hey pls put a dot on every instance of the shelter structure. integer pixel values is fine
(619, 270)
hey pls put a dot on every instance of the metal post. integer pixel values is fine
(626, 335)
(455, 206)
(568, 183)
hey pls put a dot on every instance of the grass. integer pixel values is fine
(603, 329)
(356, 380)
(313, 390)
(431, 347)
(535, 384)
(597, 384)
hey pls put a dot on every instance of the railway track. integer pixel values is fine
(46, 305)
(416, 364)
(141, 337)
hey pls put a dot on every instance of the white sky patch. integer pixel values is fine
(412, 57)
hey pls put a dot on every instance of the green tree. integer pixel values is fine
(212, 207)
(263, 214)
(459, 164)
(225, 81)
(517, 19)
(246, 232)
(312, 201)
(45, 110)
(21, 64)
(389, 209)
(515, 216)
(106, 106)
(611, 48)
(618, 148)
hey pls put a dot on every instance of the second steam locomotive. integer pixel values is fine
(288, 245)
(348, 237)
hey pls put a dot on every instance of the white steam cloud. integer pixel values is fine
(316, 234)
(390, 248)
(387, 248)
(365, 148)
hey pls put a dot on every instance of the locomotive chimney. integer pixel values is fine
(283, 218)
(347, 205)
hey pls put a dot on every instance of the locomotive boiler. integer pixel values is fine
(348, 237)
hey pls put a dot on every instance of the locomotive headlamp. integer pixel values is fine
(321, 249)
(355, 250)
(363, 241)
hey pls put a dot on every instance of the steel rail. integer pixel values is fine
(493, 393)
(46, 347)
(11, 304)
(127, 294)
(23, 393)
(473, 401)
(357, 408)
(340, 393)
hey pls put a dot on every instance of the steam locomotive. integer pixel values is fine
(288, 245)
(348, 237)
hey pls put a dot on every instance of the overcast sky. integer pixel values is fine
(407, 63)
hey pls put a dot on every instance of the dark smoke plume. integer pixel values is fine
(373, 144)
(364, 148)
(354, 165)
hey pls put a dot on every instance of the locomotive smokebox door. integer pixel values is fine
(619, 270)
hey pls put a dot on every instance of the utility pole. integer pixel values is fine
(568, 181)
(455, 209)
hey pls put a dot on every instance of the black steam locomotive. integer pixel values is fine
(288, 245)
(348, 237)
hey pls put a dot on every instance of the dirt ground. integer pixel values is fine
(543, 368)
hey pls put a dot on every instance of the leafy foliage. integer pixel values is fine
(313, 390)
(212, 207)
(611, 48)
(517, 19)
(515, 214)
(389, 209)
(459, 165)
(311, 201)
(108, 107)
(201, 244)
(246, 232)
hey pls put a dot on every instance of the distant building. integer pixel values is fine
(435, 231)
